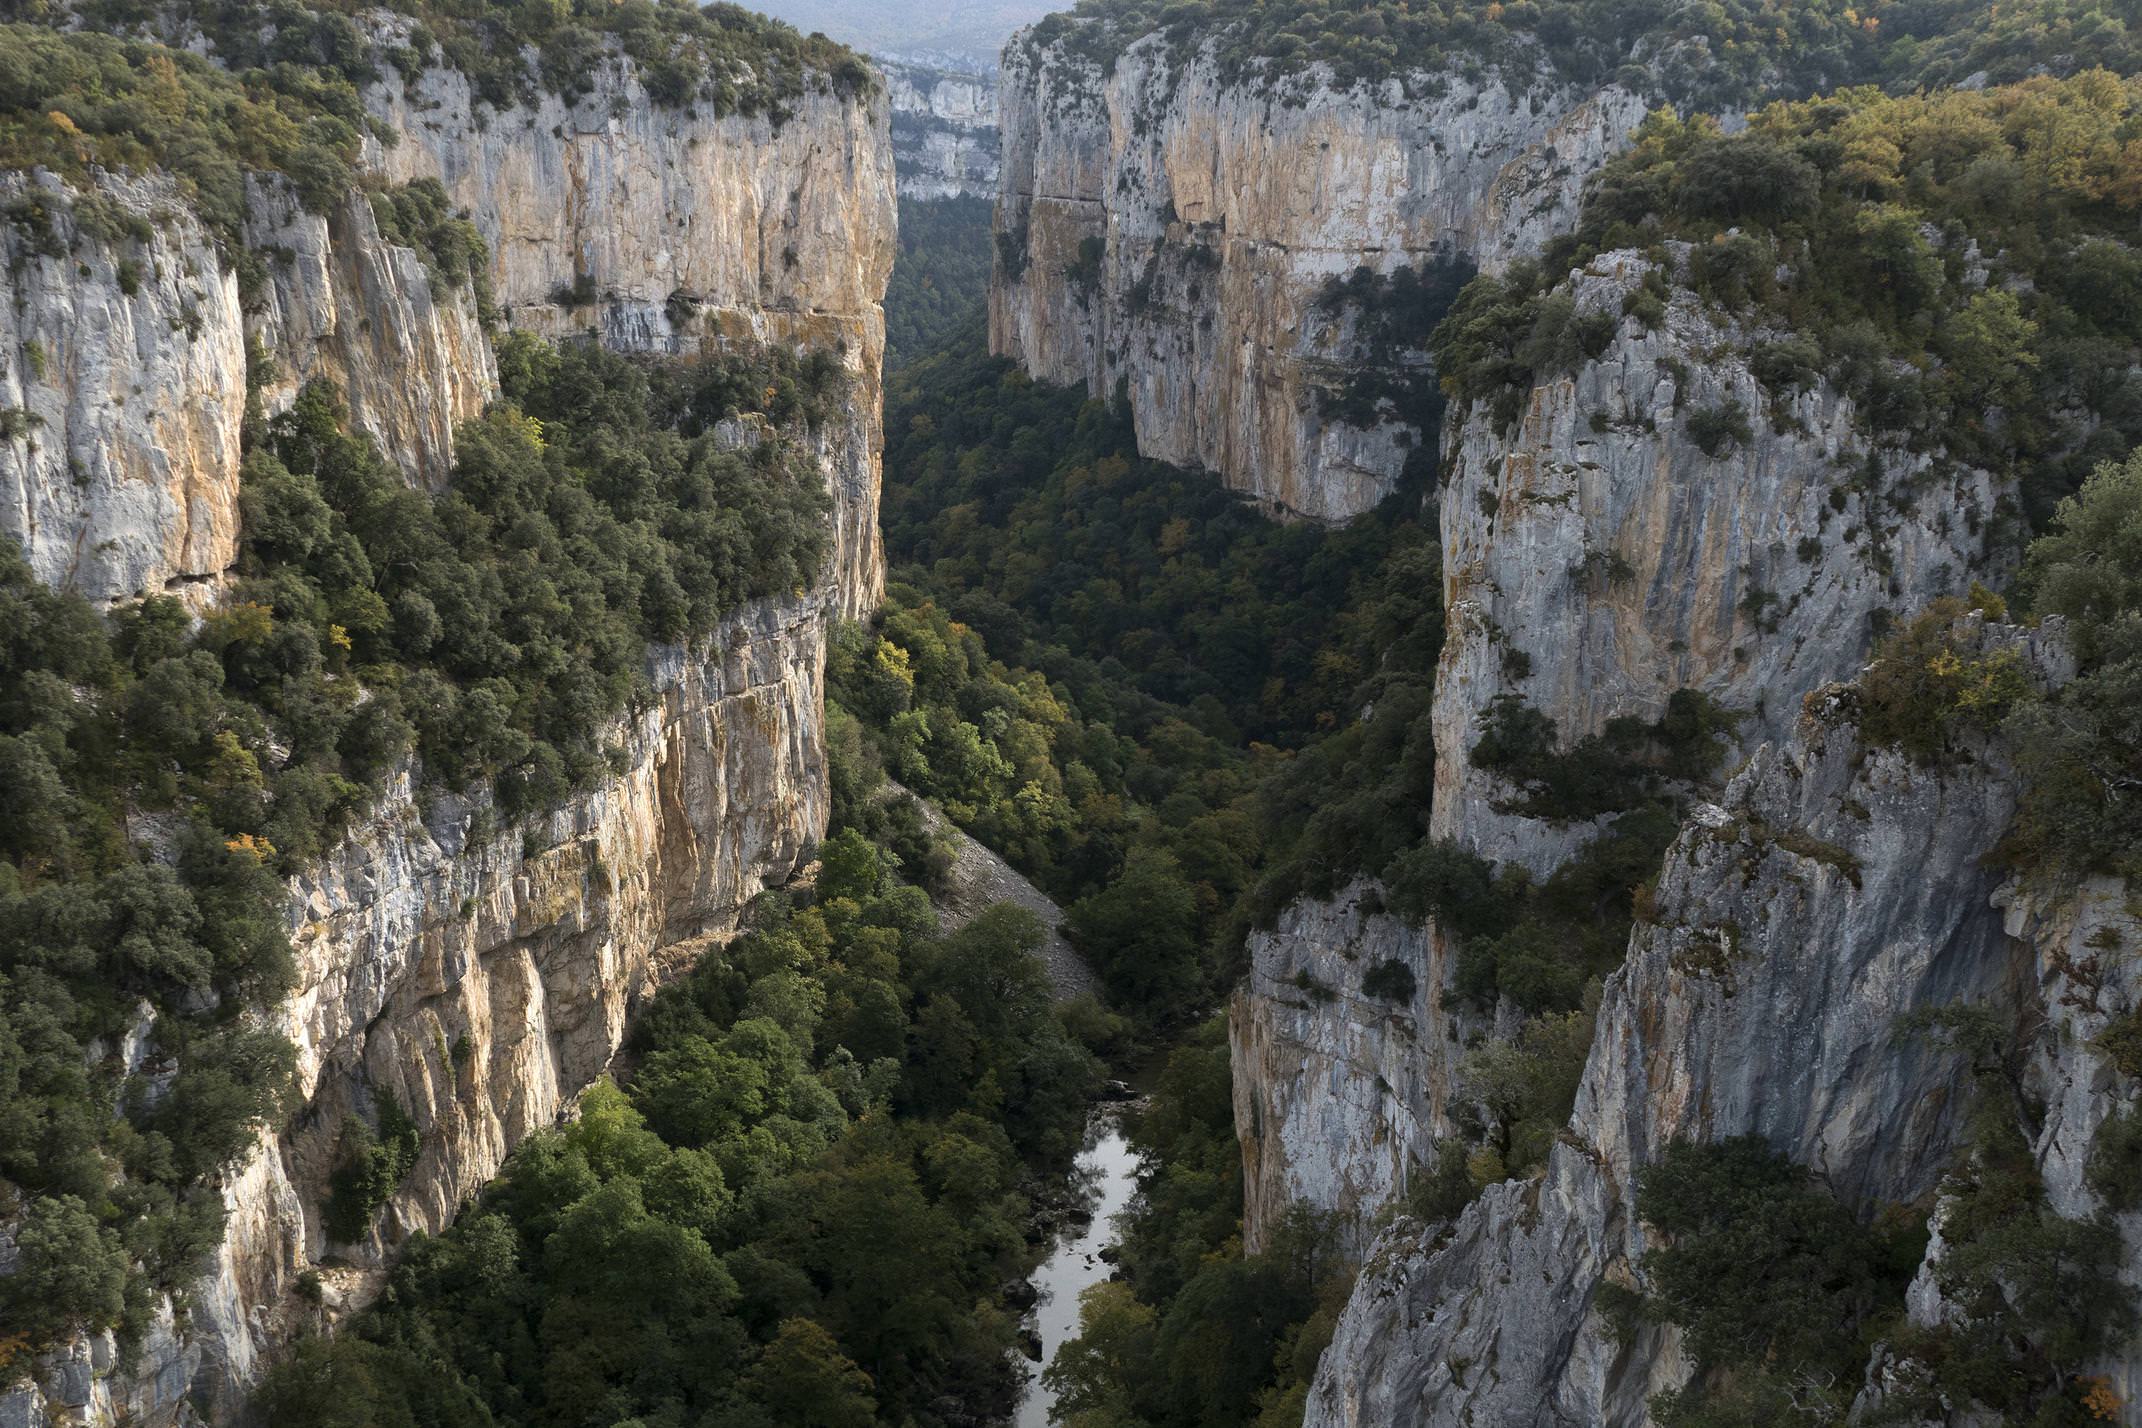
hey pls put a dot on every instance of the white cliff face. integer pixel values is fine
(1596, 559)
(944, 130)
(122, 391)
(682, 231)
(1833, 889)
(409, 355)
(1166, 228)
(126, 339)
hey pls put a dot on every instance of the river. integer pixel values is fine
(1076, 1265)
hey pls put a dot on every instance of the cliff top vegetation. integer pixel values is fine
(115, 84)
(1953, 262)
(722, 55)
(1721, 54)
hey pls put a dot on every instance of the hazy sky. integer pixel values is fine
(973, 27)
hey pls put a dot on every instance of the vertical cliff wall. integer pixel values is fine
(480, 976)
(1175, 231)
(666, 230)
(1596, 558)
(126, 380)
(944, 130)
(1833, 889)
(123, 389)
(409, 354)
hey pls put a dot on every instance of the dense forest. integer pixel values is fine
(940, 282)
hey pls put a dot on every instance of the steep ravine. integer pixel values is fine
(481, 981)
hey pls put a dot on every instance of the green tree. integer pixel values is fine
(804, 1378)
(70, 1272)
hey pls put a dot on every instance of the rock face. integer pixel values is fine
(127, 377)
(944, 129)
(1596, 557)
(1165, 228)
(668, 230)
(480, 976)
(123, 389)
(1595, 560)
(1832, 890)
(1334, 1088)
(410, 356)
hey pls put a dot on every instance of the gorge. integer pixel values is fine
(645, 652)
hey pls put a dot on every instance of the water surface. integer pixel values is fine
(1111, 1167)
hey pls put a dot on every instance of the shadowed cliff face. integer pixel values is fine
(480, 979)
(1177, 233)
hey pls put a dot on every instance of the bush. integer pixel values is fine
(1718, 429)
(1927, 687)
(1390, 981)
(1762, 1270)
(368, 1172)
(70, 1274)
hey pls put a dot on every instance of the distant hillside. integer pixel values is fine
(976, 29)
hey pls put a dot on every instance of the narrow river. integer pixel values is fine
(1076, 1263)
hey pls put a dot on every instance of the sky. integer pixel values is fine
(977, 28)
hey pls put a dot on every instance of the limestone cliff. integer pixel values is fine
(1833, 889)
(123, 389)
(127, 376)
(944, 130)
(482, 981)
(480, 976)
(669, 230)
(1596, 558)
(1175, 231)
(409, 355)
(1334, 1088)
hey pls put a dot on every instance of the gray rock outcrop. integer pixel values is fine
(1173, 230)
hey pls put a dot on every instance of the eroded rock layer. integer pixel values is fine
(1176, 232)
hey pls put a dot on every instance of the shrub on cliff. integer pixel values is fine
(2080, 751)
